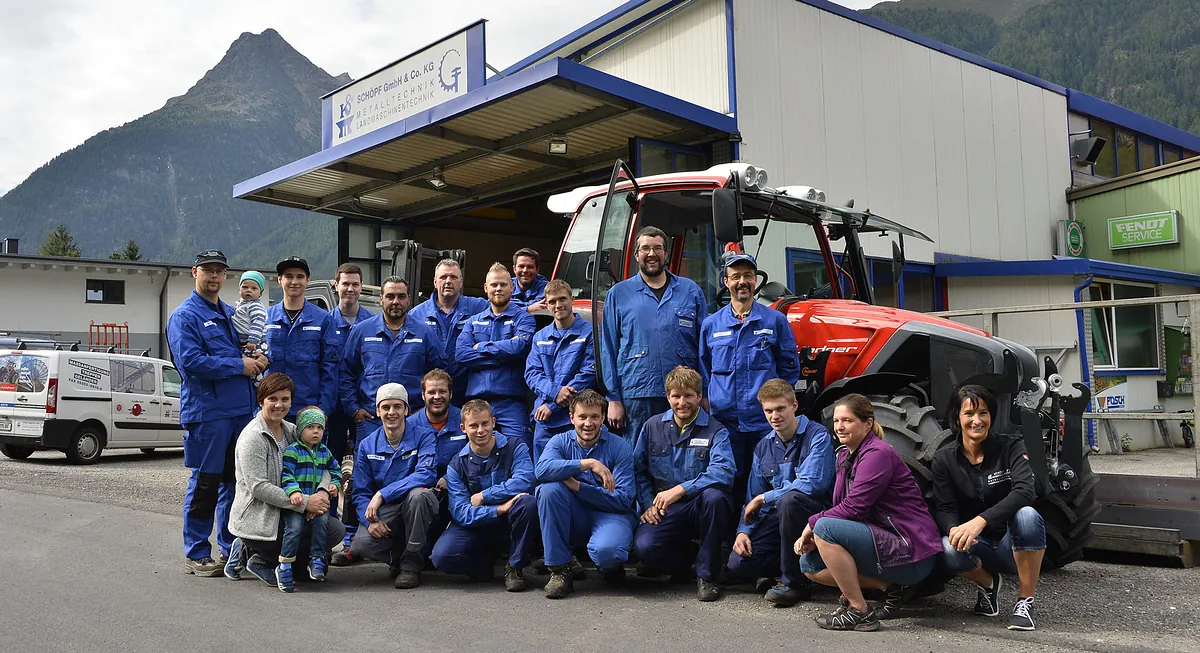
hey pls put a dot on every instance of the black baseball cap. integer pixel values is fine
(211, 256)
(293, 262)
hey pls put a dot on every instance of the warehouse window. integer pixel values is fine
(1126, 147)
(1106, 165)
(104, 291)
(1171, 154)
(1125, 337)
(1147, 153)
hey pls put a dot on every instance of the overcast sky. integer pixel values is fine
(72, 68)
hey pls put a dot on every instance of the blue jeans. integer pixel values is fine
(293, 529)
(855, 537)
(567, 522)
(638, 411)
(1026, 532)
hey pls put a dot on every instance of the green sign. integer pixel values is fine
(1074, 239)
(1143, 230)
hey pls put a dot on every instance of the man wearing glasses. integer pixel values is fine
(651, 325)
(216, 402)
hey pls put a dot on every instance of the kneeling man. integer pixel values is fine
(684, 468)
(586, 496)
(489, 482)
(394, 473)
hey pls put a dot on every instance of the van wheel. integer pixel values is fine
(147, 449)
(85, 446)
(16, 452)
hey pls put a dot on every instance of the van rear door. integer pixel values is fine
(26, 387)
(136, 406)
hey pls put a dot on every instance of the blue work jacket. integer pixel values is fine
(204, 347)
(448, 326)
(341, 331)
(805, 464)
(495, 370)
(392, 472)
(560, 461)
(697, 458)
(643, 339)
(535, 293)
(560, 357)
(450, 440)
(505, 473)
(372, 358)
(738, 357)
(306, 351)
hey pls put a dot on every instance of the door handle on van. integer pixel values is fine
(155, 402)
(22, 399)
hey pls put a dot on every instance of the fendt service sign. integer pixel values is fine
(1145, 230)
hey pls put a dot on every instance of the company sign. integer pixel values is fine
(1144, 230)
(435, 74)
(1074, 239)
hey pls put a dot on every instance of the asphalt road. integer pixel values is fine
(90, 560)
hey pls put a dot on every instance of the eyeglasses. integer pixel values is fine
(212, 272)
(738, 276)
(651, 249)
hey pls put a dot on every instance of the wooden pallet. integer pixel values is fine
(1146, 540)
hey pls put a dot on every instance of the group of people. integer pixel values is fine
(420, 422)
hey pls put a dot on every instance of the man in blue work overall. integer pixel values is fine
(216, 402)
(585, 496)
(791, 477)
(394, 473)
(302, 341)
(447, 313)
(684, 469)
(742, 346)
(651, 325)
(489, 483)
(561, 363)
(443, 421)
(529, 287)
(492, 351)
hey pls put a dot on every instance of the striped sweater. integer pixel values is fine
(250, 322)
(303, 468)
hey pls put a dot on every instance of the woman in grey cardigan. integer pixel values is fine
(259, 496)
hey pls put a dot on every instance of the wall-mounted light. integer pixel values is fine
(557, 145)
(437, 180)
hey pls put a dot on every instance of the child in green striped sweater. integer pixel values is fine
(305, 463)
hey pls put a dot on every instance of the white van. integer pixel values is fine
(82, 402)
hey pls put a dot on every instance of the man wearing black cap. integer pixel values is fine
(216, 402)
(303, 342)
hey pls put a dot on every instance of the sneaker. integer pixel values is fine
(987, 602)
(344, 559)
(316, 569)
(236, 563)
(407, 580)
(514, 579)
(263, 573)
(205, 567)
(287, 582)
(893, 598)
(846, 618)
(707, 590)
(614, 576)
(1023, 615)
(784, 596)
(561, 582)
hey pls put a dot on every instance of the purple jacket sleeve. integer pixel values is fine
(872, 478)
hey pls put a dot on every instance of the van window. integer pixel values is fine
(134, 377)
(172, 382)
(23, 373)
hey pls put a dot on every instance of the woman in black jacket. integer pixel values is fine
(983, 488)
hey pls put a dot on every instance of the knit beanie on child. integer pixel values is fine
(256, 277)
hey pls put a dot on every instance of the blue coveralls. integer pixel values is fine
(558, 357)
(340, 431)
(393, 473)
(736, 358)
(698, 458)
(448, 326)
(216, 402)
(594, 516)
(478, 533)
(642, 339)
(495, 370)
(535, 293)
(796, 481)
(372, 357)
(450, 441)
(306, 351)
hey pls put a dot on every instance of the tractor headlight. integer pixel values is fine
(804, 192)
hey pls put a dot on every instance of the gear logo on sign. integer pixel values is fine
(136, 410)
(454, 70)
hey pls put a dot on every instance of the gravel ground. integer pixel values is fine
(1090, 605)
(1149, 462)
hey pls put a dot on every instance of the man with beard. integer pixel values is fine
(216, 402)
(651, 325)
(489, 482)
(492, 351)
(529, 287)
(560, 364)
(446, 313)
(585, 496)
(684, 469)
(302, 342)
(741, 348)
(443, 422)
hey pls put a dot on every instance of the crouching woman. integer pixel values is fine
(878, 534)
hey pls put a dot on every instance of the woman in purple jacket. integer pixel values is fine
(878, 534)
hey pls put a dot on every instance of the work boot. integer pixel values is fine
(707, 591)
(577, 570)
(561, 583)
(614, 576)
(344, 559)
(785, 596)
(205, 567)
(393, 571)
(514, 579)
(407, 580)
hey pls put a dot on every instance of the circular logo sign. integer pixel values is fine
(1074, 238)
(136, 410)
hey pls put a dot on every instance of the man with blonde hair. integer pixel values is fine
(560, 364)
(683, 465)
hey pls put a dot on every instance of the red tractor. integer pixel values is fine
(909, 363)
